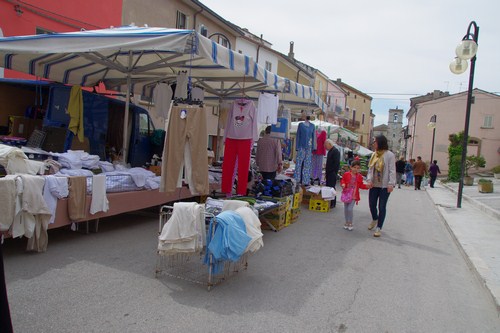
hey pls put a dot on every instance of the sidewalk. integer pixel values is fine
(475, 227)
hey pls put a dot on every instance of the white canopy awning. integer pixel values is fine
(135, 59)
(363, 151)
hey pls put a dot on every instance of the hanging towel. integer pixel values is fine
(35, 213)
(182, 231)
(99, 201)
(55, 188)
(252, 224)
(8, 200)
(75, 110)
(230, 238)
(77, 197)
(234, 204)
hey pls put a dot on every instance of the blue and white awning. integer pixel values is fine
(139, 57)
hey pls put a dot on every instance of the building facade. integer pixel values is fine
(394, 130)
(356, 115)
(449, 112)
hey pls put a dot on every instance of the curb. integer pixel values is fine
(465, 254)
(481, 206)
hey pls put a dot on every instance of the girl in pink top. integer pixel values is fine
(352, 181)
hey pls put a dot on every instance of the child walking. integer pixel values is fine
(351, 182)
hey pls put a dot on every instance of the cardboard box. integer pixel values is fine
(156, 169)
(277, 220)
(22, 127)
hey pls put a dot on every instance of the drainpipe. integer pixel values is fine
(414, 129)
(258, 49)
(195, 15)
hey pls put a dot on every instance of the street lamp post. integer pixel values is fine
(432, 125)
(466, 50)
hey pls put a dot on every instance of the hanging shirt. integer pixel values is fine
(162, 97)
(197, 94)
(241, 121)
(267, 108)
(305, 136)
(320, 143)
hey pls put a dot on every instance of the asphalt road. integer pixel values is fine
(310, 277)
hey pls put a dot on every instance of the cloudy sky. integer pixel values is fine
(389, 49)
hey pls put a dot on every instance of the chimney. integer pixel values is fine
(290, 53)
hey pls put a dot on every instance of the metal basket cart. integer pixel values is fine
(199, 267)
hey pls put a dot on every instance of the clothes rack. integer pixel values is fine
(191, 266)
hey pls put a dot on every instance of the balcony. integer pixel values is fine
(351, 125)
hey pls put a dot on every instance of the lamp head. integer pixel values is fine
(458, 66)
(467, 49)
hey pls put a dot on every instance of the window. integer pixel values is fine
(363, 119)
(223, 41)
(393, 135)
(488, 121)
(144, 127)
(353, 115)
(269, 66)
(181, 20)
(396, 118)
(203, 30)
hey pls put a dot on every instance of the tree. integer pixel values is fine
(474, 162)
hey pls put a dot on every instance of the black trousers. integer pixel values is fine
(418, 182)
(5, 321)
(268, 175)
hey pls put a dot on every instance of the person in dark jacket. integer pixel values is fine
(433, 172)
(400, 170)
(332, 167)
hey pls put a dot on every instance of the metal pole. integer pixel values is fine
(434, 120)
(467, 119)
(432, 149)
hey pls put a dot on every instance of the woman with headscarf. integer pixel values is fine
(381, 179)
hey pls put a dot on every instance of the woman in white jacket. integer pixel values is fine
(381, 179)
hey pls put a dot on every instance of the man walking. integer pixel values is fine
(433, 172)
(400, 170)
(268, 155)
(419, 170)
(332, 167)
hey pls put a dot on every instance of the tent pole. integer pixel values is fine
(217, 150)
(125, 120)
(219, 141)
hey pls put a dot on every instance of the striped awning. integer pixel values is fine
(138, 58)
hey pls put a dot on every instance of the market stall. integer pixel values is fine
(136, 59)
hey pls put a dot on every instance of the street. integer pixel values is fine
(312, 276)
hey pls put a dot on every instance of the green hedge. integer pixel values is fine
(455, 156)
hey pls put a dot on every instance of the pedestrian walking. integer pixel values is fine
(419, 171)
(400, 170)
(332, 167)
(433, 172)
(351, 182)
(381, 179)
(409, 172)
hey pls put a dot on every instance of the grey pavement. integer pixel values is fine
(475, 227)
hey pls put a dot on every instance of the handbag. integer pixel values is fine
(347, 194)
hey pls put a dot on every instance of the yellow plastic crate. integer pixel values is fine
(295, 215)
(288, 218)
(297, 199)
(321, 205)
(286, 200)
